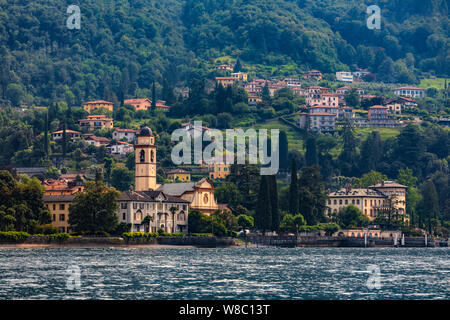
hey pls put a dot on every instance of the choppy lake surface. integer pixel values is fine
(263, 273)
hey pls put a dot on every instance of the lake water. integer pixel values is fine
(263, 273)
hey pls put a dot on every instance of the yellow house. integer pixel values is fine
(179, 174)
(91, 106)
(240, 76)
(367, 200)
(225, 81)
(58, 205)
(219, 171)
(370, 200)
(96, 122)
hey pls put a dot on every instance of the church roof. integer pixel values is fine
(148, 196)
(177, 189)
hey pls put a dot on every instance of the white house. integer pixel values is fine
(410, 92)
(344, 76)
(127, 134)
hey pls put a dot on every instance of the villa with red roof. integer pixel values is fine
(91, 106)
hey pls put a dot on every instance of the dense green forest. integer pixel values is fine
(124, 46)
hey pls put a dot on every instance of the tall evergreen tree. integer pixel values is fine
(64, 140)
(273, 189)
(237, 66)
(348, 157)
(153, 107)
(265, 95)
(311, 151)
(46, 148)
(263, 215)
(429, 205)
(293, 190)
(311, 195)
(371, 152)
(284, 150)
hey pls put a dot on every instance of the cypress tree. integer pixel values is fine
(293, 190)
(266, 95)
(64, 140)
(273, 189)
(153, 107)
(237, 66)
(46, 134)
(429, 206)
(263, 216)
(284, 150)
(311, 152)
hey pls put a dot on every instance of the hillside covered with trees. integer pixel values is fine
(124, 46)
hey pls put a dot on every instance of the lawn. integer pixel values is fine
(295, 139)
(438, 83)
(385, 133)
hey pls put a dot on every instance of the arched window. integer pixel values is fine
(142, 156)
(152, 156)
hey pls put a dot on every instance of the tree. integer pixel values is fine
(245, 221)
(284, 150)
(95, 209)
(311, 151)
(348, 157)
(351, 217)
(371, 152)
(64, 140)
(237, 66)
(146, 222)
(121, 178)
(273, 190)
(15, 94)
(371, 178)
(173, 210)
(293, 190)
(263, 214)
(352, 98)
(46, 146)
(311, 195)
(429, 206)
(266, 99)
(153, 106)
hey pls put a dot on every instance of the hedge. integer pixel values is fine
(14, 236)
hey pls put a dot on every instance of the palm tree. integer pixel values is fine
(165, 221)
(146, 221)
(173, 210)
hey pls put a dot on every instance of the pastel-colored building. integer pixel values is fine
(92, 106)
(179, 174)
(96, 141)
(58, 205)
(313, 74)
(219, 170)
(70, 134)
(225, 81)
(240, 76)
(167, 213)
(139, 104)
(96, 122)
(410, 92)
(344, 76)
(124, 134)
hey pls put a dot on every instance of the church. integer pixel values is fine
(166, 204)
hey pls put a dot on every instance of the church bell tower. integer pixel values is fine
(145, 172)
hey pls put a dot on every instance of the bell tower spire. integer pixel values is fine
(145, 160)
